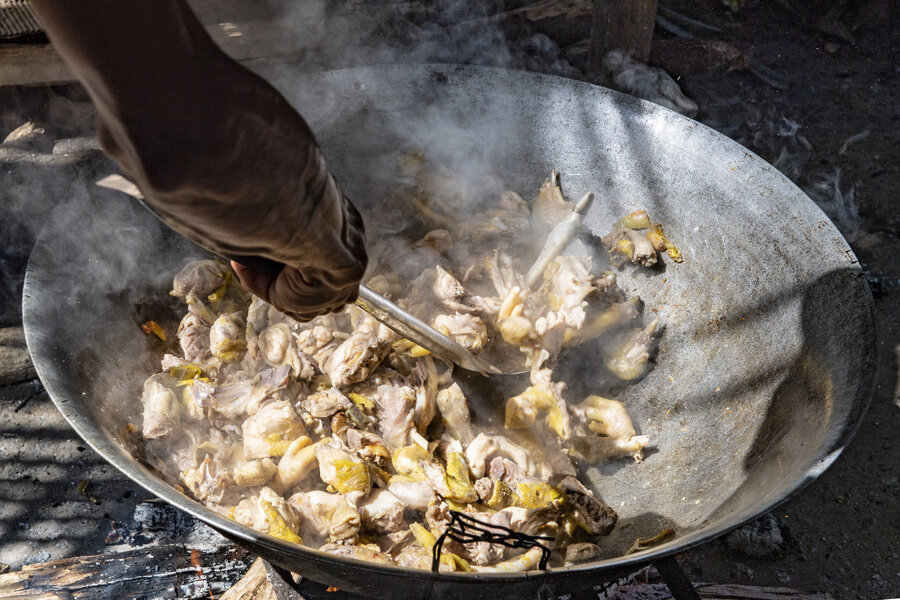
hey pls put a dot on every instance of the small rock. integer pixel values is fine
(759, 538)
(28, 136)
(37, 558)
(743, 572)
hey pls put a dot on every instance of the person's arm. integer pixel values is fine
(217, 152)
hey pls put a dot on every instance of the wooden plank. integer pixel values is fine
(15, 363)
(254, 585)
(716, 591)
(156, 573)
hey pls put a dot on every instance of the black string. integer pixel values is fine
(465, 529)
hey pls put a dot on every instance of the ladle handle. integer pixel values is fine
(419, 332)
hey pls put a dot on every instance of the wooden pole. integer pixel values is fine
(621, 25)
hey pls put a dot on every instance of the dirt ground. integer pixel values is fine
(840, 532)
(831, 123)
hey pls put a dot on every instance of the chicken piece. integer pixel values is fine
(298, 462)
(591, 515)
(254, 473)
(661, 242)
(344, 472)
(415, 494)
(552, 331)
(236, 398)
(369, 446)
(162, 411)
(271, 430)
(447, 288)
(616, 315)
(277, 346)
(193, 337)
(568, 282)
(382, 512)
(464, 329)
(415, 556)
(325, 403)
(454, 296)
(628, 361)
(595, 449)
(170, 361)
(227, 337)
(628, 244)
(607, 417)
(542, 397)
(319, 342)
(269, 512)
(366, 552)
(513, 319)
(455, 413)
(202, 277)
(505, 470)
(395, 405)
(208, 482)
(439, 239)
(503, 275)
(484, 447)
(358, 355)
(424, 374)
(452, 483)
(550, 207)
(582, 552)
(524, 562)
(326, 516)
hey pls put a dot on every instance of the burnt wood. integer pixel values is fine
(156, 573)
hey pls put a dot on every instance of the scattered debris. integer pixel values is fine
(758, 538)
(680, 56)
(82, 488)
(853, 139)
(644, 543)
(650, 83)
(839, 204)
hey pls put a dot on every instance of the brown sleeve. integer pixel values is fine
(218, 153)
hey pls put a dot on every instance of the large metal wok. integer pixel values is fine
(763, 371)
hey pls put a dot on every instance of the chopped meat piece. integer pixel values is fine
(592, 515)
(209, 481)
(325, 403)
(366, 552)
(396, 405)
(326, 516)
(382, 512)
(162, 411)
(269, 512)
(271, 430)
(464, 329)
(344, 472)
(226, 337)
(455, 413)
(202, 277)
(277, 346)
(193, 337)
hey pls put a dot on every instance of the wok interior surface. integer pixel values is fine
(762, 372)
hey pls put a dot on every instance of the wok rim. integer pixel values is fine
(42, 354)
